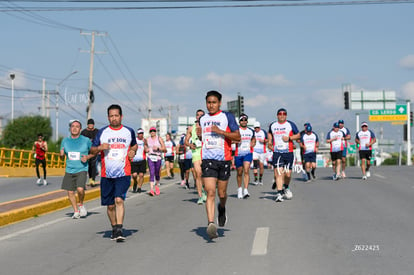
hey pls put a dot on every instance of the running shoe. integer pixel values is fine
(260, 182)
(182, 183)
(82, 211)
(157, 190)
(334, 177)
(343, 174)
(274, 185)
(222, 218)
(76, 215)
(239, 193)
(113, 235)
(44, 182)
(139, 190)
(187, 185)
(200, 200)
(364, 177)
(368, 174)
(119, 235)
(279, 197)
(39, 182)
(212, 230)
(314, 177)
(245, 194)
(287, 194)
(151, 193)
(255, 182)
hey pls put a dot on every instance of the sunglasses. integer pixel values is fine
(364, 126)
(152, 131)
(243, 119)
(281, 113)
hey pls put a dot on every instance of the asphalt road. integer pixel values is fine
(349, 226)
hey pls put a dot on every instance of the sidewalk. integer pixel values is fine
(30, 207)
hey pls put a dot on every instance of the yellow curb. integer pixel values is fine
(32, 211)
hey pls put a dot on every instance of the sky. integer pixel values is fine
(297, 57)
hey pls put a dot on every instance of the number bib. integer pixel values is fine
(74, 155)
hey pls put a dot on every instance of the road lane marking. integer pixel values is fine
(261, 237)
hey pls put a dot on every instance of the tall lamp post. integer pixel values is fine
(57, 103)
(12, 76)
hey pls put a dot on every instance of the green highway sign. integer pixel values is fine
(399, 110)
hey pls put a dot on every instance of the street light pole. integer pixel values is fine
(12, 76)
(57, 103)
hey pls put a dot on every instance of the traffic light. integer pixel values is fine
(346, 100)
(241, 104)
(411, 119)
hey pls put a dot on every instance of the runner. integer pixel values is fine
(309, 143)
(194, 142)
(218, 130)
(169, 156)
(305, 177)
(365, 139)
(117, 146)
(259, 153)
(139, 163)
(90, 132)
(76, 148)
(155, 147)
(40, 149)
(280, 139)
(185, 162)
(243, 156)
(335, 138)
(347, 135)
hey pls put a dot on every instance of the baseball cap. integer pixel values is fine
(243, 116)
(140, 131)
(91, 121)
(306, 124)
(336, 125)
(74, 120)
(281, 110)
(257, 124)
(364, 124)
(341, 121)
(153, 129)
(308, 128)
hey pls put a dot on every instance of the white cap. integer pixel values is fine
(257, 124)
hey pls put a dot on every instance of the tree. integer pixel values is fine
(22, 131)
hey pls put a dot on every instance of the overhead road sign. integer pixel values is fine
(388, 118)
(398, 114)
(373, 100)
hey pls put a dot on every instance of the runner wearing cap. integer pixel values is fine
(347, 135)
(309, 143)
(259, 153)
(139, 163)
(40, 149)
(243, 156)
(76, 148)
(365, 138)
(155, 148)
(90, 132)
(335, 139)
(193, 141)
(281, 135)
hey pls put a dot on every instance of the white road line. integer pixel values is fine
(380, 176)
(261, 237)
(40, 226)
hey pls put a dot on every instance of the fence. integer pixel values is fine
(25, 158)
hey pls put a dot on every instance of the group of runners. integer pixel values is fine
(206, 149)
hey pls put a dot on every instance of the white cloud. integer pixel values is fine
(407, 62)
(408, 91)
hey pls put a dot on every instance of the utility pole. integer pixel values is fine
(91, 95)
(149, 104)
(43, 97)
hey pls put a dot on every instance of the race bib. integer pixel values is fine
(116, 154)
(74, 155)
(214, 142)
(153, 157)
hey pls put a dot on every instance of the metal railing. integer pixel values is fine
(25, 158)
